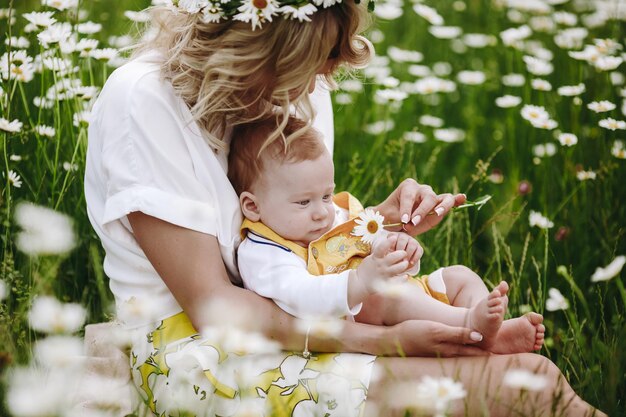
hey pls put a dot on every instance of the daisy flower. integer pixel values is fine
(428, 13)
(15, 179)
(607, 63)
(301, 13)
(402, 55)
(49, 315)
(524, 379)
(583, 175)
(540, 84)
(531, 112)
(537, 219)
(618, 150)
(40, 19)
(571, 90)
(471, 77)
(612, 124)
(449, 135)
(610, 271)
(44, 231)
(369, 226)
(513, 80)
(432, 121)
(556, 301)
(14, 126)
(416, 137)
(567, 139)
(257, 12)
(507, 101)
(601, 106)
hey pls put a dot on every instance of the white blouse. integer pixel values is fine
(146, 154)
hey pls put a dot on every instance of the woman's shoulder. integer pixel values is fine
(138, 77)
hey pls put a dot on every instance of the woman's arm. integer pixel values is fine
(191, 265)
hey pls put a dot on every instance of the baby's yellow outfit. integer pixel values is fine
(336, 250)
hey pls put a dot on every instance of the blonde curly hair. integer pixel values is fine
(229, 75)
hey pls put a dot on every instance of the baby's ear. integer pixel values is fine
(249, 207)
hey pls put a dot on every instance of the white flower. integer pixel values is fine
(416, 137)
(449, 135)
(343, 99)
(49, 315)
(567, 139)
(445, 32)
(139, 17)
(536, 219)
(15, 42)
(69, 166)
(14, 179)
(103, 393)
(351, 85)
(138, 310)
(60, 4)
(583, 175)
(512, 36)
(240, 342)
(542, 24)
(571, 90)
(15, 158)
(571, 38)
(88, 28)
(53, 392)
(57, 351)
(540, 84)
(379, 127)
(14, 126)
(556, 301)
(538, 66)
(507, 101)
(565, 18)
(322, 328)
(388, 11)
(4, 291)
(601, 106)
(612, 124)
(428, 13)
(513, 80)
(387, 95)
(432, 121)
(44, 231)
(260, 11)
(40, 19)
(531, 112)
(610, 271)
(370, 226)
(105, 54)
(607, 63)
(442, 68)
(54, 34)
(81, 118)
(544, 150)
(618, 150)
(43, 102)
(471, 77)
(402, 55)
(524, 379)
(428, 396)
(478, 40)
(301, 13)
(431, 85)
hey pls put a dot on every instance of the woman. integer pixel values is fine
(159, 199)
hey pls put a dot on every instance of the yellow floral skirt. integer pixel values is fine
(180, 373)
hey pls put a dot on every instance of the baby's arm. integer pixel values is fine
(275, 272)
(384, 263)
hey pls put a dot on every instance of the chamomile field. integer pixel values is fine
(520, 100)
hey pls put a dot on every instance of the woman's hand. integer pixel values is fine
(430, 338)
(417, 206)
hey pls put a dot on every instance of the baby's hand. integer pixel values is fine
(383, 263)
(402, 241)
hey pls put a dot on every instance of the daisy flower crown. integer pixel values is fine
(256, 12)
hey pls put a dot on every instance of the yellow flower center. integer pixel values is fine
(372, 226)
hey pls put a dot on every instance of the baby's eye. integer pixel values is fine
(303, 202)
(327, 197)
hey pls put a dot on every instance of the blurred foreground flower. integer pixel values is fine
(49, 315)
(610, 271)
(618, 150)
(44, 231)
(432, 396)
(4, 291)
(556, 301)
(523, 379)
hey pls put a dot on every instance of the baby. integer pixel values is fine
(298, 248)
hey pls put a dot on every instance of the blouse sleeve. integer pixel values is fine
(146, 158)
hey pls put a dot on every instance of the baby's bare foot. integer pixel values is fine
(520, 335)
(487, 316)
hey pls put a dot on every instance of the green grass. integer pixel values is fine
(587, 341)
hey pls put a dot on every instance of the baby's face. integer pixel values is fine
(295, 199)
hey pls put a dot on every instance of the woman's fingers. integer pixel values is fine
(408, 193)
